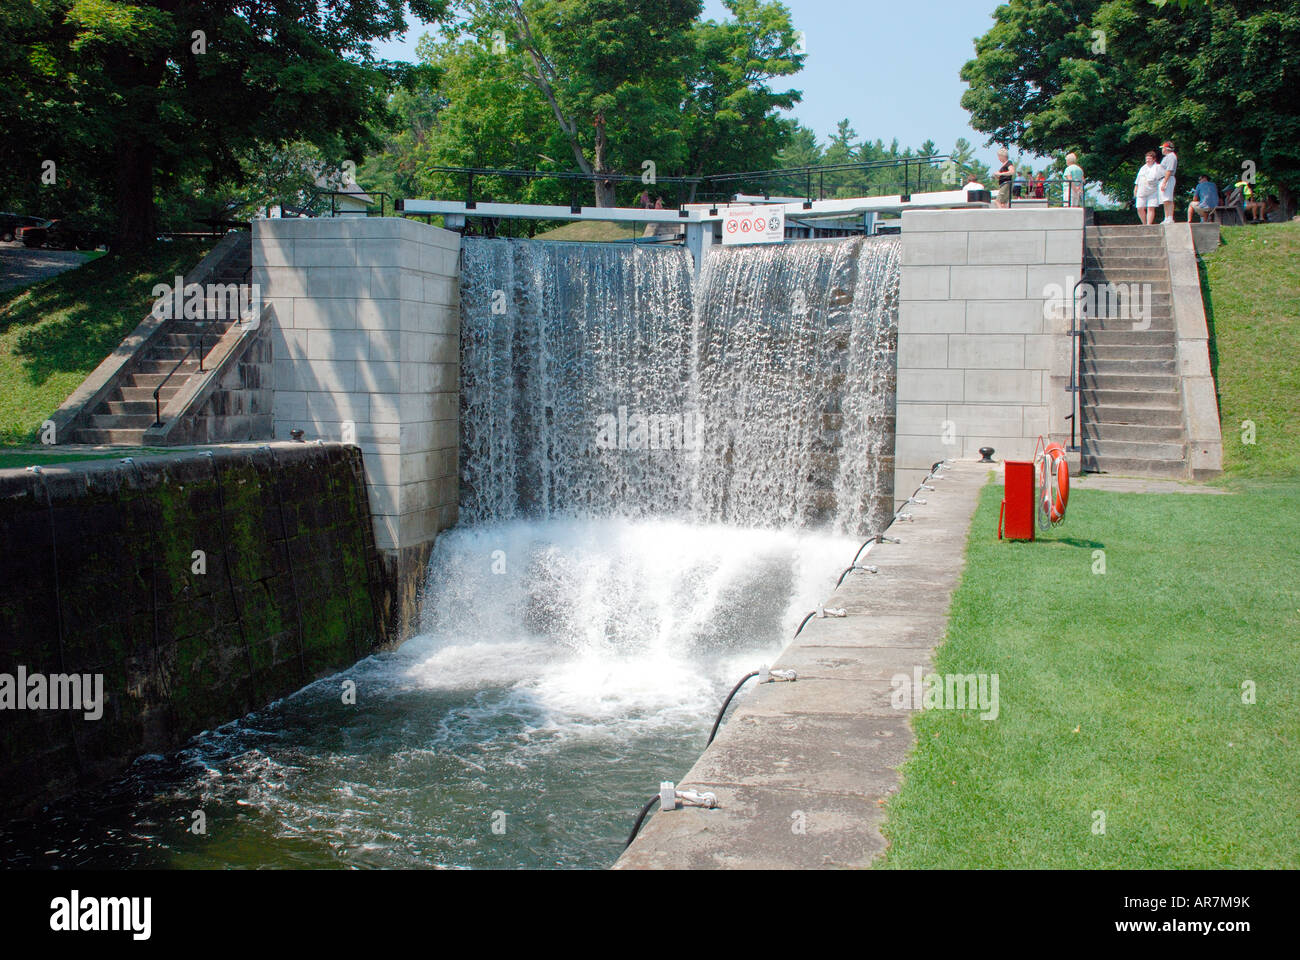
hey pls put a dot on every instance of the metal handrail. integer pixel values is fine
(157, 403)
(1076, 354)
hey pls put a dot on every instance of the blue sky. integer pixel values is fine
(890, 67)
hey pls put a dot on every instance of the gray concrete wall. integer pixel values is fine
(366, 331)
(983, 355)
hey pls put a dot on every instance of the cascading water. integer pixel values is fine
(597, 380)
(660, 478)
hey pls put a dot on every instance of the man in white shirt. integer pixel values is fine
(1170, 166)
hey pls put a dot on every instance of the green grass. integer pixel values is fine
(19, 457)
(54, 333)
(1119, 692)
(593, 231)
(1251, 287)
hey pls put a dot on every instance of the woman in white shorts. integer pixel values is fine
(1146, 188)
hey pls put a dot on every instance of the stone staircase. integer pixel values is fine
(1132, 401)
(128, 411)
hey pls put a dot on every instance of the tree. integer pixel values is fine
(1111, 79)
(728, 114)
(641, 87)
(133, 97)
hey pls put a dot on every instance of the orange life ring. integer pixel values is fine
(1060, 464)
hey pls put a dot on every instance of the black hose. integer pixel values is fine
(640, 819)
(726, 703)
(878, 538)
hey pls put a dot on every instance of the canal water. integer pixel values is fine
(563, 669)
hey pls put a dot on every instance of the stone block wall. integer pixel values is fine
(983, 351)
(198, 587)
(365, 318)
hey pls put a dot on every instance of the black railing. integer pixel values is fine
(157, 392)
(1076, 354)
(813, 182)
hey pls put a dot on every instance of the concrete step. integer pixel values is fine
(1147, 281)
(1121, 324)
(1129, 352)
(97, 436)
(130, 394)
(167, 351)
(1135, 432)
(164, 366)
(1136, 450)
(192, 328)
(130, 407)
(1110, 230)
(1111, 397)
(1144, 383)
(1126, 336)
(115, 421)
(1109, 367)
(1155, 416)
(151, 380)
(1129, 466)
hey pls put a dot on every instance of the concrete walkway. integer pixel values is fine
(801, 769)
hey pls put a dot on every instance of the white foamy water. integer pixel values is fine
(601, 627)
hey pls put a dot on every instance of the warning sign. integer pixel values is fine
(753, 225)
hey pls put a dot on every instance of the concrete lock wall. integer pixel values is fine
(197, 587)
(984, 348)
(365, 316)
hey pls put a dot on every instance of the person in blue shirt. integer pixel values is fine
(1206, 201)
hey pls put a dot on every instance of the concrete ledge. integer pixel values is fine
(800, 769)
(1200, 403)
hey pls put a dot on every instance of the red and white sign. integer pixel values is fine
(753, 225)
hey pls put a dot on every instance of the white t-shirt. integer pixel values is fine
(1148, 179)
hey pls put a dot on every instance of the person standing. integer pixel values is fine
(1146, 188)
(1073, 181)
(1006, 174)
(1206, 200)
(1167, 183)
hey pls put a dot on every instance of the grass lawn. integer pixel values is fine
(20, 457)
(54, 333)
(1119, 692)
(1251, 287)
(593, 231)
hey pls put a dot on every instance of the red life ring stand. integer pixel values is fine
(1052, 472)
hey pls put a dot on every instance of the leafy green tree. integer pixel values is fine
(133, 97)
(728, 111)
(640, 87)
(1111, 79)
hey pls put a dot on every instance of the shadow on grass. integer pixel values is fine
(1083, 544)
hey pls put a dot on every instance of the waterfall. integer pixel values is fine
(601, 380)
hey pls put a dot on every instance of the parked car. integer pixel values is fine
(62, 235)
(10, 222)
